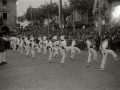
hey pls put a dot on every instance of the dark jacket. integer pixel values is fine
(2, 45)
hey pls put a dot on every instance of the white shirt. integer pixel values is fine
(104, 44)
(63, 44)
(45, 42)
(73, 43)
(27, 42)
(39, 38)
(21, 42)
(50, 44)
(33, 45)
(56, 43)
(32, 38)
(88, 44)
(17, 41)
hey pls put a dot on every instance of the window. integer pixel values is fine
(4, 16)
(4, 2)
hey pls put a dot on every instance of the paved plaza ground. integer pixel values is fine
(25, 73)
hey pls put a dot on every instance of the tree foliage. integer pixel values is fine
(111, 1)
(85, 6)
(82, 5)
(42, 11)
(66, 10)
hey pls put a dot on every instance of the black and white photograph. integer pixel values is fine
(59, 44)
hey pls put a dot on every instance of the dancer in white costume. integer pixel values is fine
(73, 48)
(24, 43)
(63, 49)
(21, 45)
(40, 44)
(50, 47)
(14, 43)
(104, 50)
(33, 48)
(11, 42)
(45, 42)
(56, 46)
(27, 47)
(90, 46)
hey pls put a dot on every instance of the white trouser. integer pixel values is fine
(33, 52)
(71, 48)
(14, 46)
(104, 54)
(64, 52)
(11, 44)
(40, 48)
(78, 50)
(50, 55)
(45, 49)
(27, 50)
(55, 51)
(60, 49)
(20, 48)
(4, 56)
(25, 47)
(90, 51)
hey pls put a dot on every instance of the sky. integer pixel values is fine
(22, 5)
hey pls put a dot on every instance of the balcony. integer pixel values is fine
(5, 8)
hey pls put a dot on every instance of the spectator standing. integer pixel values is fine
(2, 49)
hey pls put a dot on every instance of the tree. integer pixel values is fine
(41, 12)
(66, 10)
(111, 1)
(51, 8)
(28, 13)
(85, 6)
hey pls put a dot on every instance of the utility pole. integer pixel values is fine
(99, 26)
(48, 24)
(60, 14)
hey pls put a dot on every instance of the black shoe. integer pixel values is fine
(71, 59)
(87, 65)
(102, 69)
(61, 64)
(27, 55)
(4, 62)
(49, 61)
(1, 64)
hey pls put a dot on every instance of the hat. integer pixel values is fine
(49, 38)
(62, 37)
(44, 38)
(39, 35)
(55, 37)
(106, 37)
(90, 37)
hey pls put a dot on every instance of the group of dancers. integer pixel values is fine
(55, 44)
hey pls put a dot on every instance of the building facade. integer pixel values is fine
(77, 17)
(8, 12)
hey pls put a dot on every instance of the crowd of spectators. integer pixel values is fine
(79, 25)
(81, 35)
